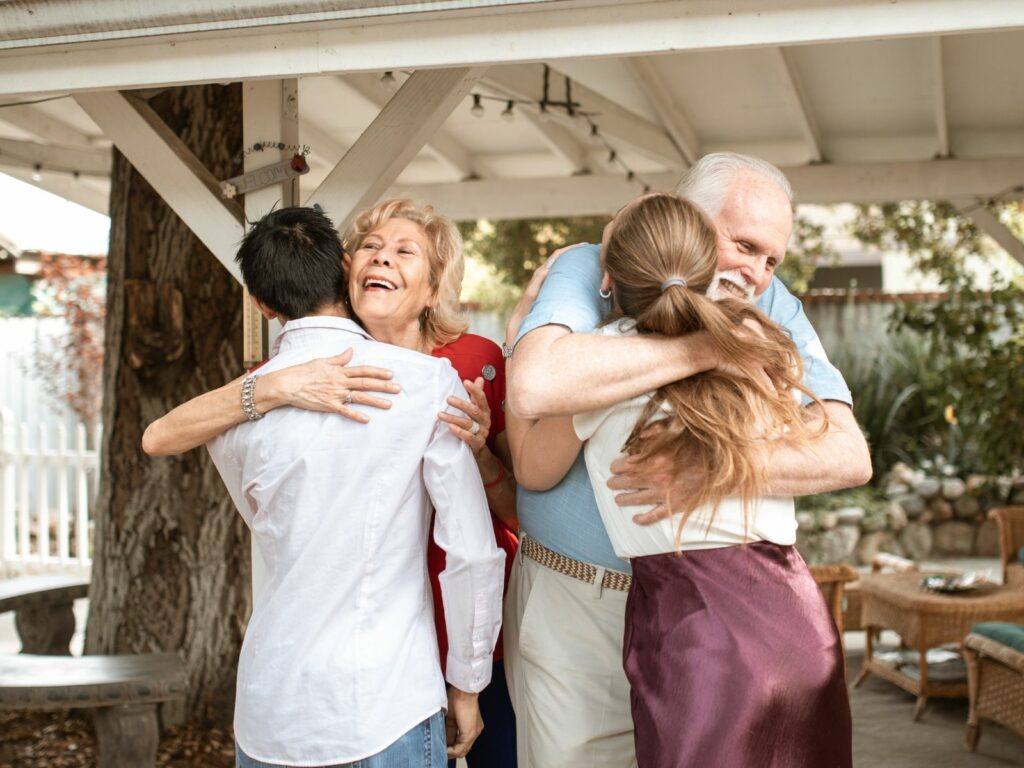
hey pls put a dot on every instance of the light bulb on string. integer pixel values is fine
(544, 116)
(595, 135)
(507, 114)
(389, 81)
(37, 173)
(630, 176)
(477, 110)
(612, 156)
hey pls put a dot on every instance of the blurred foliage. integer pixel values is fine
(900, 397)
(872, 500)
(516, 247)
(973, 338)
(807, 251)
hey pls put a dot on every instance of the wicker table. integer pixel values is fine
(926, 619)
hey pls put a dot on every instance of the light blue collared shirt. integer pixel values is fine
(565, 519)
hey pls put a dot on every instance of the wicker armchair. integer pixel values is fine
(832, 580)
(995, 679)
(1011, 539)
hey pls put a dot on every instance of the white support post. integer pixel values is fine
(171, 168)
(649, 79)
(24, 519)
(63, 507)
(401, 129)
(941, 118)
(7, 492)
(985, 220)
(270, 112)
(42, 498)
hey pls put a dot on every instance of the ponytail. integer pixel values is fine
(661, 257)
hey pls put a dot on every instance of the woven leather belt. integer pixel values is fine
(584, 572)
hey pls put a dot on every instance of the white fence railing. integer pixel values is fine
(46, 492)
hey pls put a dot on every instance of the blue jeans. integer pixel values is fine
(423, 746)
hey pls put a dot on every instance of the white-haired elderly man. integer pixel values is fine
(564, 615)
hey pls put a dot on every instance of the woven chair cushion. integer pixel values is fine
(1010, 635)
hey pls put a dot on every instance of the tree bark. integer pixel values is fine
(171, 569)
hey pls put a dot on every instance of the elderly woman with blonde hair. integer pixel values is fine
(405, 267)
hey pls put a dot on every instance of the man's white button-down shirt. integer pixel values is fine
(340, 656)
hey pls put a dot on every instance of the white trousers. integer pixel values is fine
(563, 661)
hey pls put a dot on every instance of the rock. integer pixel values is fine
(901, 473)
(893, 490)
(953, 488)
(850, 515)
(896, 517)
(941, 509)
(912, 504)
(986, 544)
(974, 482)
(917, 540)
(837, 545)
(807, 544)
(966, 507)
(828, 520)
(871, 544)
(953, 538)
(926, 487)
(806, 521)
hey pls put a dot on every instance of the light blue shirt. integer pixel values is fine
(565, 519)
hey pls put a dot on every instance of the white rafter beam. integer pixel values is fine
(941, 117)
(617, 124)
(823, 184)
(395, 136)
(797, 102)
(88, 161)
(43, 126)
(441, 145)
(172, 169)
(660, 95)
(278, 46)
(987, 221)
(90, 193)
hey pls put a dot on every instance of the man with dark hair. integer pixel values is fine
(340, 659)
(291, 262)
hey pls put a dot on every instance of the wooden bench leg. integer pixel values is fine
(126, 735)
(46, 629)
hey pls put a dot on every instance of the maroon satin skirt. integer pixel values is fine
(734, 662)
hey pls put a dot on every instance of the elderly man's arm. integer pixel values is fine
(555, 372)
(838, 459)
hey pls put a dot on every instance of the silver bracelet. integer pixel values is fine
(248, 406)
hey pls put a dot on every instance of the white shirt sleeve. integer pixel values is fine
(473, 579)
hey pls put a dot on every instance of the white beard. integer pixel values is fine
(735, 280)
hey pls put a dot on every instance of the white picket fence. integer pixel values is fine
(47, 489)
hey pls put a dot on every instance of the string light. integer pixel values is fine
(544, 116)
(37, 173)
(389, 81)
(508, 115)
(477, 110)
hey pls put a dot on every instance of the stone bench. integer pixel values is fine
(43, 611)
(123, 690)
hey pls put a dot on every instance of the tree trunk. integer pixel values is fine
(171, 568)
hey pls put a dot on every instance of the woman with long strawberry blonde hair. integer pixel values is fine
(732, 657)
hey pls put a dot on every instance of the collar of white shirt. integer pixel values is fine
(317, 322)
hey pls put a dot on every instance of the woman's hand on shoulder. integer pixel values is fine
(476, 410)
(530, 294)
(331, 385)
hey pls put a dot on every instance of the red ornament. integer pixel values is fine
(299, 164)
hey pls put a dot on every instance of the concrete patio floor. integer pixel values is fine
(886, 736)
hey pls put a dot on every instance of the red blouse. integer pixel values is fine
(472, 356)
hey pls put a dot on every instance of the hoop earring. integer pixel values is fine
(605, 293)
